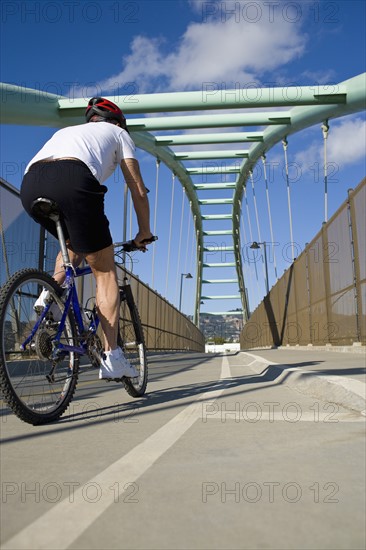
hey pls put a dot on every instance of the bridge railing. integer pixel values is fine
(165, 328)
(24, 243)
(321, 298)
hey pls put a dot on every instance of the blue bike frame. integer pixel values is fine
(71, 298)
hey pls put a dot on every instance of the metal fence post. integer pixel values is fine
(355, 259)
(308, 289)
(326, 275)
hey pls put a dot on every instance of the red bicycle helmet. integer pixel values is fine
(105, 108)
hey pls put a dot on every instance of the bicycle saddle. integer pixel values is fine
(45, 208)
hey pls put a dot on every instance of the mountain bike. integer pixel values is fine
(40, 352)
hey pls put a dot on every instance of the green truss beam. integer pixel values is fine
(296, 108)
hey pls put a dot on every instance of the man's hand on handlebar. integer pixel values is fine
(142, 240)
(131, 246)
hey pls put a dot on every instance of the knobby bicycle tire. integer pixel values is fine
(131, 340)
(33, 397)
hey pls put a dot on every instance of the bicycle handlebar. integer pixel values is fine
(130, 246)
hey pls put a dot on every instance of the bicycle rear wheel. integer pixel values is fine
(37, 388)
(131, 340)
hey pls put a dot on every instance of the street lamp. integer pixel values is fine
(255, 245)
(187, 276)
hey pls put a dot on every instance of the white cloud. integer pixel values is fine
(231, 50)
(143, 65)
(346, 144)
(320, 77)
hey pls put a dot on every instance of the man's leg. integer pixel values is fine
(104, 270)
(59, 273)
(59, 276)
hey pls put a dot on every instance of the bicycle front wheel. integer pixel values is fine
(36, 387)
(131, 340)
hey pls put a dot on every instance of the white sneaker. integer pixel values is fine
(41, 303)
(114, 365)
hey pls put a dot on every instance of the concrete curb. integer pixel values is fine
(354, 348)
(346, 392)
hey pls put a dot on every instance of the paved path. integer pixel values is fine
(222, 453)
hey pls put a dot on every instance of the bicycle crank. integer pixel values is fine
(94, 349)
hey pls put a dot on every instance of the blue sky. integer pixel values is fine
(83, 48)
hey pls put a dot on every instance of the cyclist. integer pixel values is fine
(70, 169)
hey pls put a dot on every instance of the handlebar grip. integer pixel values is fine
(130, 246)
(149, 241)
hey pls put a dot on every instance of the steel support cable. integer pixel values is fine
(180, 244)
(187, 243)
(4, 248)
(15, 317)
(195, 263)
(194, 258)
(131, 204)
(170, 235)
(285, 144)
(269, 214)
(247, 267)
(325, 129)
(255, 207)
(247, 208)
(155, 218)
(125, 209)
(242, 226)
(258, 227)
(193, 250)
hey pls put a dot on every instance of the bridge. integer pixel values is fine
(210, 443)
(272, 116)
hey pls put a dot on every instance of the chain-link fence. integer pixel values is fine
(321, 298)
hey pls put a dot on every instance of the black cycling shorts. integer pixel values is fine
(79, 196)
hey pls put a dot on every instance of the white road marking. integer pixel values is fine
(59, 527)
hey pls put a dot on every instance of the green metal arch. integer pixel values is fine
(147, 142)
(301, 118)
(30, 107)
(310, 105)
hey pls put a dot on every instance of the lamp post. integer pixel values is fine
(187, 276)
(255, 245)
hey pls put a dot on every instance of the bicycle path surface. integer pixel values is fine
(225, 451)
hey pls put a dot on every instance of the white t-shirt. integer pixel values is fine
(100, 145)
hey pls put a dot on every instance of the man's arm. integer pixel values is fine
(132, 175)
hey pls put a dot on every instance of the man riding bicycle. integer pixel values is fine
(70, 169)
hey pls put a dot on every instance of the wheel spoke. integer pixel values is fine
(131, 340)
(23, 373)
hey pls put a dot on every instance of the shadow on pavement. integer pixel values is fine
(169, 398)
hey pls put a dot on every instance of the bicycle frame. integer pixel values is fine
(71, 298)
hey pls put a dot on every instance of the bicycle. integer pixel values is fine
(40, 353)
